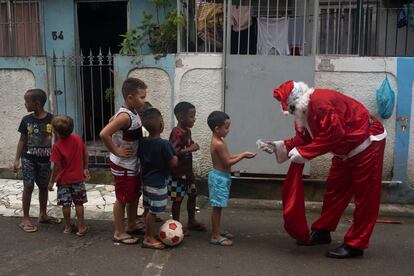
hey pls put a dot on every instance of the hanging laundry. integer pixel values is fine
(295, 38)
(272, 36)
(210, 21)
(240, 18)
(296, 41)
(248, 40)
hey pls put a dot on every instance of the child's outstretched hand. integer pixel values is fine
(50, 186)
(249, 155)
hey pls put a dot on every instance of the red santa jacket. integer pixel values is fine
(335, 123)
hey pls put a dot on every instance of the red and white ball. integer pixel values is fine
(171, 232)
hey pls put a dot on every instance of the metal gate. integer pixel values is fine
(83, 89)
(252, 73)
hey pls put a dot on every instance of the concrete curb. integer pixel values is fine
(401, 210)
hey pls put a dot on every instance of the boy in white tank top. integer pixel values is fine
(121, 136)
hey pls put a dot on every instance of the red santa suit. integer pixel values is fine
(328, 121)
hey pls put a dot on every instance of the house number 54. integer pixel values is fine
(57, 35)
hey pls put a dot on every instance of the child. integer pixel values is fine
(219, 179)
(182, 176)
(69, 169)
(147, 105)
(121, 137)
(34, 149)
(145, 133)
(157, 157)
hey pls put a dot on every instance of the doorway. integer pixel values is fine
(100, 26)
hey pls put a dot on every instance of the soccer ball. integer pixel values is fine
(171, 232)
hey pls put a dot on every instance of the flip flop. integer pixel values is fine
(123, 240)
(220, 241)
(156, 245)
(197, 227)
(227, 235)
(83, 233)
(68, 231)
(51, 220)
(138, 231)
(28, 228)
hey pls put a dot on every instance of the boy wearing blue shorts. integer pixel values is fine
(219, 179)
(156, 157)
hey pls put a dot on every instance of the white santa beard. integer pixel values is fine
(301, 107)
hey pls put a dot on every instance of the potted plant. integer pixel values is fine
(159, 35)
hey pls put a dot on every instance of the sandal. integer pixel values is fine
(28, 228)
(227, 235)
(223, 241)
(155, 245)
(68, 230)
(83, 233)
(51, 220)
(137, 231)
(124, 240)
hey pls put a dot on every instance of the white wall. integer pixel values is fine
(199, 81)
(159, 92)
(13, 85)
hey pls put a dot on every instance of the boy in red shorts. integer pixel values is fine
(121, 137)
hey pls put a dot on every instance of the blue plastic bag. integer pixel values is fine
(409, 13)
(406, 16)
(385, 99)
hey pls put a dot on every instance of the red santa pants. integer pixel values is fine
(359, 176)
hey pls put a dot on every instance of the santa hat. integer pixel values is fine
(282, 94)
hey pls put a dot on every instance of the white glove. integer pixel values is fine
(295, 157)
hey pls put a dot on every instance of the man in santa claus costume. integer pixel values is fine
(328, 121)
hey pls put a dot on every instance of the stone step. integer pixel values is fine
(271, 187)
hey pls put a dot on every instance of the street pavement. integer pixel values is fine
(261, 246)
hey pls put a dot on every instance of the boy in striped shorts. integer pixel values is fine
(156, 157)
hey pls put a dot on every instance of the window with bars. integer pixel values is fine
(364, 28)
(20, 33)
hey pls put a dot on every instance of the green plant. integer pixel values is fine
(109, 95)
(160, 35)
